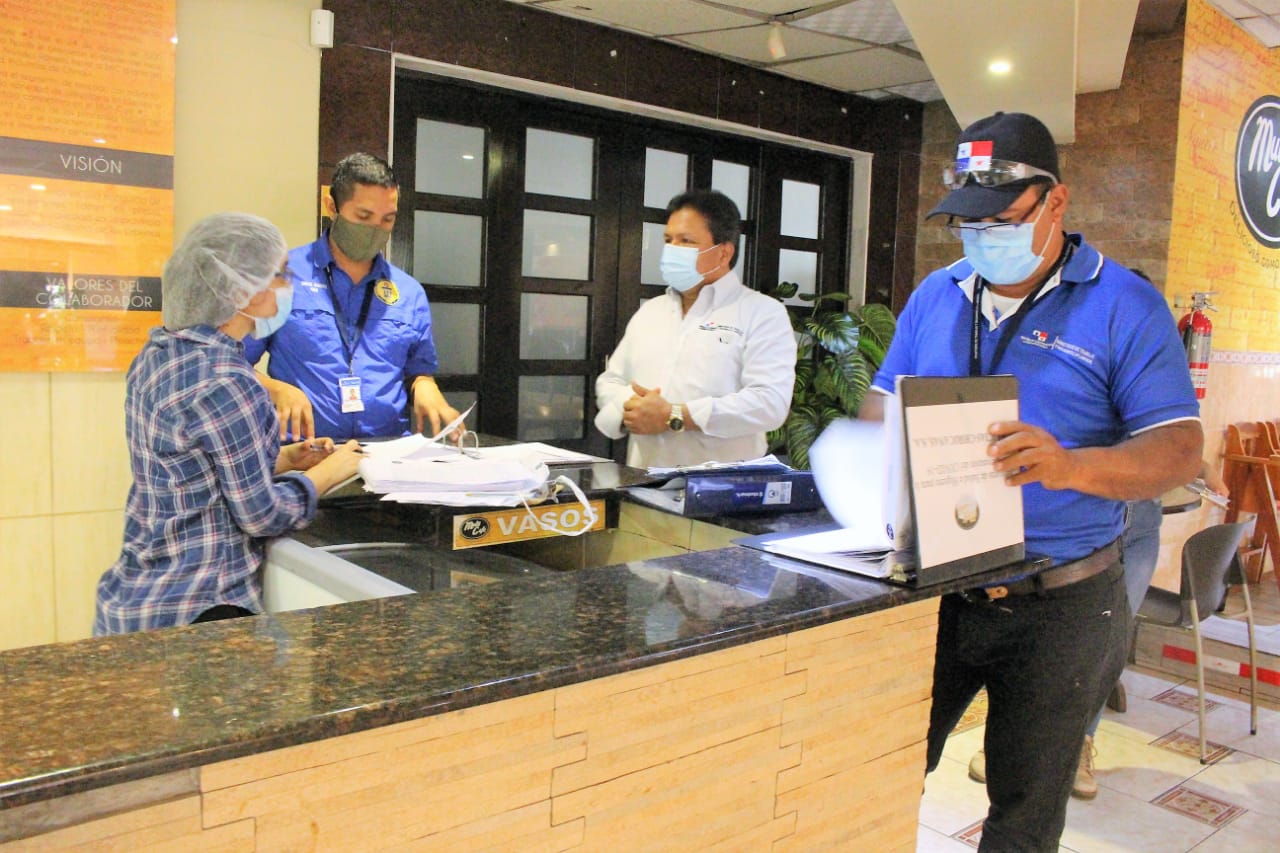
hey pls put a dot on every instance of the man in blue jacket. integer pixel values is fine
(356, 358)
(1107, 415)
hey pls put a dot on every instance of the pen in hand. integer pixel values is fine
(320, 446)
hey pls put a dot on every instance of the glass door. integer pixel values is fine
(536, 226)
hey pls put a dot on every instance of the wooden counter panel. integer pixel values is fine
(809, 741)
(862, 726)
(171, 825)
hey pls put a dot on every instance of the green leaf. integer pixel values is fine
(784, 290)
(833, 297)
(777, 439)
(876, 325)
(835, 331)
(803, 426)
(844, 378)
(804, 377)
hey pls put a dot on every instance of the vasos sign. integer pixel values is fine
(514, 525)
(1258, 170)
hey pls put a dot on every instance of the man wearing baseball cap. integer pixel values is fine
(1107, 413)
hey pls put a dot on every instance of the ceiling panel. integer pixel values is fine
(874, 68)
(1036, 45)
(752, 44)
(928, 49)
(875, 21)
(651, 17)
(1106, 26)
(1260, 18)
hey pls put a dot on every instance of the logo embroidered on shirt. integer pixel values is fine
(386, 291)
(719, 327)
(1047, 340)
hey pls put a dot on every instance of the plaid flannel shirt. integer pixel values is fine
(203, 443)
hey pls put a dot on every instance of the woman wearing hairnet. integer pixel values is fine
(210, 479)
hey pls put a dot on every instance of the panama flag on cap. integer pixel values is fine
(974, 156)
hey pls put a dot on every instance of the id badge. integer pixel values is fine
(349, 393)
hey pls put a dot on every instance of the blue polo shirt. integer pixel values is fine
(309, 352)
(1097, 358)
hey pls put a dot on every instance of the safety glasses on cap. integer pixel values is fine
(994, 173)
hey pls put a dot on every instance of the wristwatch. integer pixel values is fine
(675, 423)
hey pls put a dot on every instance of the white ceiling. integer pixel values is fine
(1260, 17)
(925, 50)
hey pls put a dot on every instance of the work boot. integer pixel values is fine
(978, 767)
(1086, 786)
(1117, 701)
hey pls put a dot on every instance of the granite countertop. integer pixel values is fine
(85, 714)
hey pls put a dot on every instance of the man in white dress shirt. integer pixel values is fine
(706, 369)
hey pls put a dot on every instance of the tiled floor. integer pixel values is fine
(1154, 795)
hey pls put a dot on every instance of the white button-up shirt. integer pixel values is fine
(730, 362)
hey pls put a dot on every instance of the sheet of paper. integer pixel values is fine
(763, 463)
(536, 451)
(838, 549)
(963, 508)
(849, 470)
(453, 424)
(667, 500)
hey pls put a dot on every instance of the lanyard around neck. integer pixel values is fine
(349, 340)
(1010, 326)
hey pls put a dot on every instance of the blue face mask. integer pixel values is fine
(264, 327)
(679, 266)
(1003, 255)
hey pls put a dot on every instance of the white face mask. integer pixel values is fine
(1002, 254)
(264, 327)
(679, 266)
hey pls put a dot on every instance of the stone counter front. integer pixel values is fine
(664, 692)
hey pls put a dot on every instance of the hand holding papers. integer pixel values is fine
(453, 424)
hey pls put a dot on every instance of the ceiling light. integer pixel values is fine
(6, 207)
(1000, 66)
(38, 187)
(468, 156)
(776, 48)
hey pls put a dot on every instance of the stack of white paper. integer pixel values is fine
(421, 447)
(417, 471)
(450, 474)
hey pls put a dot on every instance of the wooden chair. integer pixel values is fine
(1273, 434)
(1250, 471)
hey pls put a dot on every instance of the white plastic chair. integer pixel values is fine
(1210, 563)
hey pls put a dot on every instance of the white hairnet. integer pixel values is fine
(221, 263)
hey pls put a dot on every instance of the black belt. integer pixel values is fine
(1055, 578)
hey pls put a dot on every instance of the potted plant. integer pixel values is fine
(838, 354)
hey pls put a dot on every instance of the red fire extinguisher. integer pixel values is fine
(1197, 332)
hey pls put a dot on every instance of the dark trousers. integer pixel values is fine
(1047, 661)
